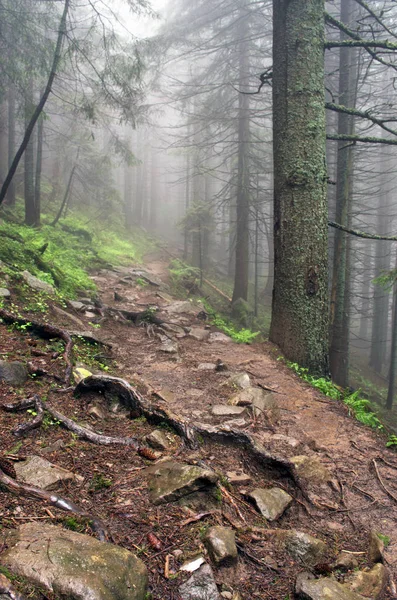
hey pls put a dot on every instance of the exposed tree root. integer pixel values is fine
(81, 432)
(21, 489)
(133, 400)
(8, 589)
(47, 331)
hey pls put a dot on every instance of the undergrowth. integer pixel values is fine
(358, 406)
(63, 255)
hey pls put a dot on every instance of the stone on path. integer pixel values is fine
(345, 562)
(221, 545)
(200, 586)
(303, 547)
(369, 584)
(37, 284)
(4, 293)
(169, 481)
(169, 346)
(74, 565)
(179, 307)
(225, 410)
(271, 502)
(206, 367)
(201, 335)
(158, 440)
(239, 380)
(238, 477)
(325, 588)
(76, 304)
(39, 472)
(217, 336)
(97, 411)
(13, 373)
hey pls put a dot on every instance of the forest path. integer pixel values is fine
(338, 497)
(320, 426)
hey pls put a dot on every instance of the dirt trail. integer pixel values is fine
(322, 425)
(297, 421)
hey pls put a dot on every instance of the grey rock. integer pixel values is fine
(221, 545)
(200, 586)
(206, 367)
(89, 314)
(233, 423)
(224, 410)
(227, 595)
(325, 588)
(4, 293)
(41, 473)
(57, 445)
(97, 411)
(376, 548)
(217, 336)
(240, 380)
(201, 335)
(73, 565)
(169, 481)
(345, 562)
(180, 307)
(303, 547)
(271, 502)
(369, 584)
(311, 468)
(13, 373)
(158, 439)
(238, 477)
(37, 284)
(169, 347)
(78, 305)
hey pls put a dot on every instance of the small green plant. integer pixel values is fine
(99, 482)
(49, 421)
(384, 538)
(141, 282)
(358, 406)
(73, 524)
(392, 441)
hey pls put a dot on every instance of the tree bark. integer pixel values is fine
(37, 182)
(30, 210)
(11, 141)
(300, 296)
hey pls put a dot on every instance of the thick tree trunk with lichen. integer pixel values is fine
(300, 295)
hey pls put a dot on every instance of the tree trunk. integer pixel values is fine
(393, 358)
(300, 296)
(39, 161)
(30, 210)
(339, 347)
(240, 289)
(11, 141)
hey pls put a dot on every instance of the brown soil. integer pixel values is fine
(321, 426)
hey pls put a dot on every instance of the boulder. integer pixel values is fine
(37, 284)
(169, 481)
(180, 306)
(369, 584)
(224, 410)
(39, 472)
(221, 545)
(14, 373)
(200, 586)
(271, 502)
(158, 440)
(4, 293)
(78, 305)
(325, 588)
(74, 565)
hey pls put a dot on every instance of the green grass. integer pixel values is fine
(359, 407)
(72, 248)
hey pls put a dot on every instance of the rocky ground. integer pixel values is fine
(237, 480)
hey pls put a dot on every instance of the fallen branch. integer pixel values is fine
(21, 489)
(382, 485)
(8, 589)
(44, 330)
(36, 422)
